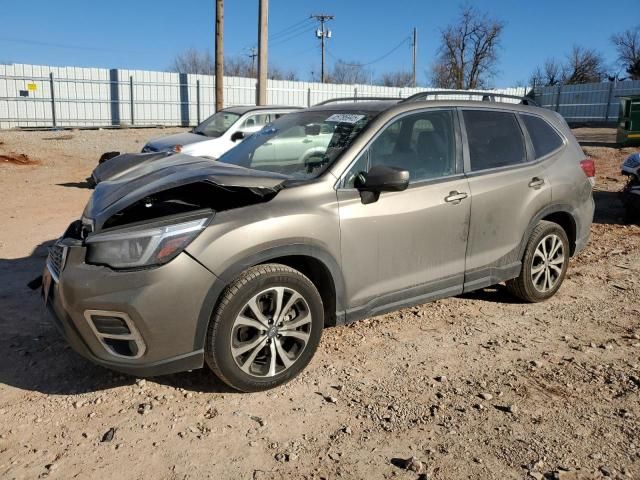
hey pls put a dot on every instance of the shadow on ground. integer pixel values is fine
(609, 208)
(84, 184)
(37, 358)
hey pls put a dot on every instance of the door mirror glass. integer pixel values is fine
(235, 136)
(312, 129)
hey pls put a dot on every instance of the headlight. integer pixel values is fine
(140, 247)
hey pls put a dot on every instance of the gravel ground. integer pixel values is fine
(476, 386)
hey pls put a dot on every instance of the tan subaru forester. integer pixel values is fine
(327, 215)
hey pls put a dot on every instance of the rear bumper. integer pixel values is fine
(164, 305)
(584, 219)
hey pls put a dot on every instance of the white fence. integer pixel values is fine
(33, 96)
(587, 103)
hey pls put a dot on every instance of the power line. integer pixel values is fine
(290, 29)
(379, 59)
(280, 41)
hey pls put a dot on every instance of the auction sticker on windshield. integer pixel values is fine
(344, 118)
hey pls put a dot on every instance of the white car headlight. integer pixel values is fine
(142, 246)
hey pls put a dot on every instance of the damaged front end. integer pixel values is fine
(149, 216)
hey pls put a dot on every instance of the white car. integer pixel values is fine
(220, 132)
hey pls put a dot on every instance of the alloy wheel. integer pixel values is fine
(547, 263)
(271, 332)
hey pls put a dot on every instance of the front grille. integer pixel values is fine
(55, 260)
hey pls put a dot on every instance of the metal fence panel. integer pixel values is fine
(45, 96)
(587, 103)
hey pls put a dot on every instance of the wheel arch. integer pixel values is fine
(561, 214)
(314, 262)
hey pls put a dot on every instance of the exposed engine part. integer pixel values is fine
(187, 198)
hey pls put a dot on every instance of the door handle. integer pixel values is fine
(455, 197)
(307, 141)
(536, 183)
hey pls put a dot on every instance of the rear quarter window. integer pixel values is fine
(544, 137)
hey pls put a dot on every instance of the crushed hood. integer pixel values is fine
(168, 142)
(112, 196)
(117, 167)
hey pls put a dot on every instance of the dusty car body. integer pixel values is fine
(241, 263)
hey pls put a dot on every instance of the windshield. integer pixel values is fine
(216, 124)
(301, 144)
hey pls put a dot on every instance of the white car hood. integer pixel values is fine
(161, 144)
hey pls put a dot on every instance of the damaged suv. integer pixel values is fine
(325, 216)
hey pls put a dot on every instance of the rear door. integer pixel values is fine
(407, 245)
(508, 188)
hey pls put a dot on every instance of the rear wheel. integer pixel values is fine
(544, 263)
(265, 329)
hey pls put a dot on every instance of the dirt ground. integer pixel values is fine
(478, 386)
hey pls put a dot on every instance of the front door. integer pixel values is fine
(407, 246)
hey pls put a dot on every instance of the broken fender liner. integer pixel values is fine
(170, 173)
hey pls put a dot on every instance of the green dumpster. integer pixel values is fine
(629, 120)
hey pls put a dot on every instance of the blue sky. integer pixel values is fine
(147, 34)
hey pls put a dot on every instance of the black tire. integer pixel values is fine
(218, 348)
(523, 286)
(107, 156)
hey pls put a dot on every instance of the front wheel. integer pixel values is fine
(265, 329)
(544, 263)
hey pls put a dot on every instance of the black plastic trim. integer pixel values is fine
(232, 272)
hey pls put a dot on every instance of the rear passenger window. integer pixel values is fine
(544, 138)
(495, 139)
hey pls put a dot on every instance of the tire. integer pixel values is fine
(242, 343)
(533, 284)
(107, 156)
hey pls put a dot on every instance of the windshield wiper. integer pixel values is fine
(198, 132)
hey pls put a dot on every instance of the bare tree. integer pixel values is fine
(397, 79)
(467, 56)
(348, 72)
(193, 61)
(584, 65)
(550, 74)
(627, 46)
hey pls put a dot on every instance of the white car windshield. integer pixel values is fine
(301, 144)
(217, 124)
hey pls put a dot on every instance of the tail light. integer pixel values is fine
(589, 168)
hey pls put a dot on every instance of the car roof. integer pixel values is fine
(398, 106)
(242, 109)
(367, 106)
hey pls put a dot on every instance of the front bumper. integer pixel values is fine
(164, 304)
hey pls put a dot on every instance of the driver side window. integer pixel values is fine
(422, 143)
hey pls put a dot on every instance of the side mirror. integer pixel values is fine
(312, 129)
(381, 178)
(235, 136)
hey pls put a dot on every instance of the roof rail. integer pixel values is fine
(354, 99)
(486, 96)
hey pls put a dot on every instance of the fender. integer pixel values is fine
(548, 210)
(301, 249)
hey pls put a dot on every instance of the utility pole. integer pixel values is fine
(322, 33)
(263, 39)
(219, 55)
(253, 55)
(415, 55)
